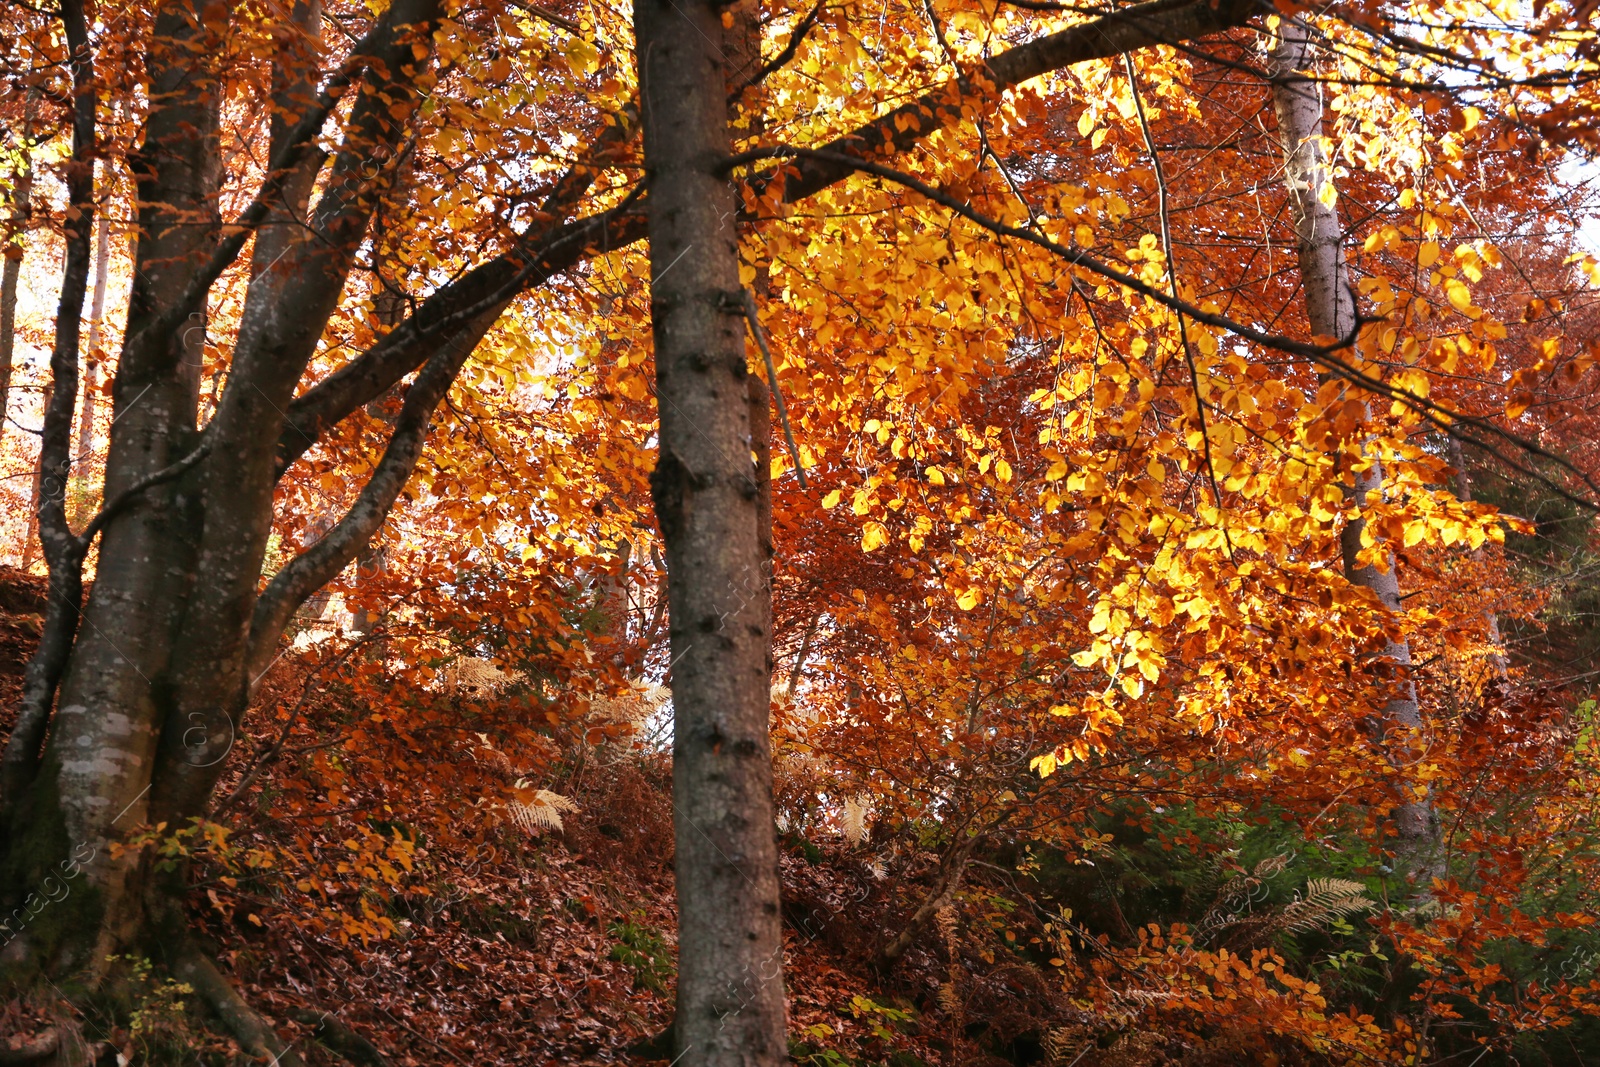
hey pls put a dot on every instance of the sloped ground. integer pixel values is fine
(558, 949)
(498, 945)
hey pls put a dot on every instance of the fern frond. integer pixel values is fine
(632, 706)
(1325, 900)
(1064, 1043)
(540, 811)
(477, 675)
(854, 823)
(1272, 865)
(493, 756)
(949, 993)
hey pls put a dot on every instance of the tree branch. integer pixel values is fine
(255, 1034)
(117, 503)
(466, 308)
(405, 348)
(279, 170)
(62, 557)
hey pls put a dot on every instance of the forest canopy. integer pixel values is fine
(927, 532)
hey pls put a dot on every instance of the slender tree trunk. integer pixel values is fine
(91, 368)
(1330, 309)
(13, 250)
(952, 868)
(1463, 490)
(730, 951)
(797, 669)
(30, 540)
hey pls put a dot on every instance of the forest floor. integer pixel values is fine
(502, 946)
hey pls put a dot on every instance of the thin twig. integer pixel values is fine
(542, 12)
(1172, 282)
(271, 753)
(126, 497)
(772, 379)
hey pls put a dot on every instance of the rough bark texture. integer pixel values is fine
(1330, 308)
(730, 951)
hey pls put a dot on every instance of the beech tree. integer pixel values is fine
(138, 692)
(1330, 302)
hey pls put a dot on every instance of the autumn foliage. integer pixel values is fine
(1081, 707)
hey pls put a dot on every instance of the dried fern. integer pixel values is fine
(1325, 901)
(1063, 1045)
(473, 674)
(499, 761)
(541, 810)
(1272, 865)
(631, 707)
(854, 822)
(1235, 896)
(949, 993)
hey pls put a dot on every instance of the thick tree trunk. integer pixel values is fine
(150, 697)
(730, 951)
(1330, 309)
(93, 780)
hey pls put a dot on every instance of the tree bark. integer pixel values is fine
(30, 539)
(730, 1008)
(150, 697)
(1330, 309)
(91, 369)
(13, 249)
(952, 868)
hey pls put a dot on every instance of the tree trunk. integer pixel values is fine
(151, 688)
(730, 1007)
(952, 868)
(1330, 309)
(30, 539)
(91, 368)
(1463, 489)
(15, 244)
